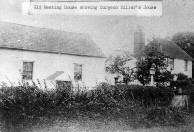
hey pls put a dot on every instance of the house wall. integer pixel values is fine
(179, 67)
(45, 64)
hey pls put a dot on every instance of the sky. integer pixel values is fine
(109, 32)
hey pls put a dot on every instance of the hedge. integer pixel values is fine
(19, 103)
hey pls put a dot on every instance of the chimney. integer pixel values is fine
(139, 39)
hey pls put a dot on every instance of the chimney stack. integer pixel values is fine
(139, 39)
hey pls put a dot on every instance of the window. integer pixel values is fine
(27, 70)
(171, 64)
(142, 58)
(186, 65)
(77, 72)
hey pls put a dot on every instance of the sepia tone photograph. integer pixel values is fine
(96, 66)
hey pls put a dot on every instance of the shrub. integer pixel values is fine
(29, 102)
(182, 82)
(191, 98)
(19, 103)
(147, 95)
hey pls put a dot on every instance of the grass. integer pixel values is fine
(99, 125)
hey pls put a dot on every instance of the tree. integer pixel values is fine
(185, 40)
(116, 64)
(153, 56)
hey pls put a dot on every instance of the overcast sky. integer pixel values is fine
(109, 32)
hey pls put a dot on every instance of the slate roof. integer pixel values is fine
(22, 37)
(169, 48)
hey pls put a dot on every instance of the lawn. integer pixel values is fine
(128, 121)
(99, 125)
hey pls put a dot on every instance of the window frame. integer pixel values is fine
(186, 65)
(78, 64)
(31, 71)
(171, 64)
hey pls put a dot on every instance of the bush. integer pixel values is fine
(191, 98)
(147, 95)
(182, 82)
(19, 103)
(29, 102)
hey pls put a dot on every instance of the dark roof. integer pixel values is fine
(169, 48)
(22, 37)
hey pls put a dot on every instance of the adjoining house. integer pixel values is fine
(30, 53)
(180, 61)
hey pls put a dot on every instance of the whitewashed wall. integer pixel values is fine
(45, 64)
(179, 67)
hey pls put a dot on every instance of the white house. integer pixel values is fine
(180, 61)
(30, 53)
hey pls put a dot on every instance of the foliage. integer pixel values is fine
(153, 57)
(148, 95)
(182, 82)
(121, 101)
(191, 97)
(185, 40)
(117, 65)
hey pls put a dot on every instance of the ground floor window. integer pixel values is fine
(171, 64)
(77, 72)
(27, 71)
(186, 65)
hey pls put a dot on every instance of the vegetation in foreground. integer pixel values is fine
(139, 107)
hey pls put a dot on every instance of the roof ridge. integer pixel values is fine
(169, 48)
(170, 42)
(182, 50)
(46, 39)
(46, 28)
